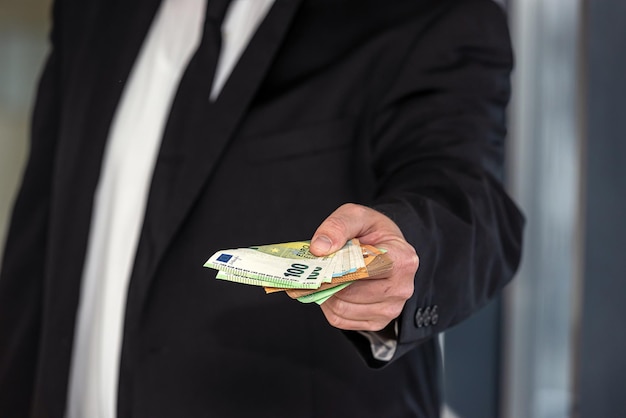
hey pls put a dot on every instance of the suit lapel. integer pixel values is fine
(184, 168)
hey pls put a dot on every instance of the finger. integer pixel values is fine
(371, 291)
(355, 317)
(368, 300)
(348, 221)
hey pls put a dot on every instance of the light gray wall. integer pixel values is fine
(564, 333)
(545, 173)
(601, 363)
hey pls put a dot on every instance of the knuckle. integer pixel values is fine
(405, 292)
(352, 208)
(335, 225)
(377, 325)
(340, 308)
(398, 310)
(409, 262)
(392, 312)
(412, 260)
(354, 211)
(335, 320)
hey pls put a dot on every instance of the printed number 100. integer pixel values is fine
(296, 270)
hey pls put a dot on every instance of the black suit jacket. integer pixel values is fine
(394, 104)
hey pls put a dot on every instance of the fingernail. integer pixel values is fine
(322, 244)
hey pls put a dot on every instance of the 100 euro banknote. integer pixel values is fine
(287, 272)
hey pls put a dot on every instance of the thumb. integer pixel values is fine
(343, 224)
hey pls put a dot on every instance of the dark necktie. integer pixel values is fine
(188, 122)
(200, 72)
(201, 69)
(191, 103)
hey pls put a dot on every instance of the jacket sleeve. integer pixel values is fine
(23, 269)
(437, 146)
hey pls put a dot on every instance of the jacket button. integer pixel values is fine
(434, 316)
(427, 317)
(419, 320)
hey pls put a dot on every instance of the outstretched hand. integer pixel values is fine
(369, 304)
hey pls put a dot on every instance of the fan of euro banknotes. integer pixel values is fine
(290, 267)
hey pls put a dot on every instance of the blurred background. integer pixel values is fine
(554, 344)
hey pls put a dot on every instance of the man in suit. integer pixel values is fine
(338, 119)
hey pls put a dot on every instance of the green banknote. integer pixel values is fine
(323, 295)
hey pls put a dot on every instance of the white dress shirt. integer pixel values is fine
(122, 191)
